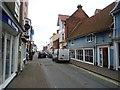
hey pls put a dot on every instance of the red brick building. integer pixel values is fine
(74, 19)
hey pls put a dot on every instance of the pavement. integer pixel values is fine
(111, 74)
(33, 75)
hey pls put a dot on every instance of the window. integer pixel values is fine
(90, 38)
(17, 10)
(63, 25)
(63, 36)
(89, 55)
(8, 57)
(72, 42)
(79, 54)
(72, 53)
(1, 61)
(12, 61)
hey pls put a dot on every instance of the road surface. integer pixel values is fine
(64, 75)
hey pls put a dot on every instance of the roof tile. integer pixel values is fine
(98, 22)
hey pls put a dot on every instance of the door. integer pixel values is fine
(103, 57)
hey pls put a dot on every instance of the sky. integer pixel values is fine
(44, 15)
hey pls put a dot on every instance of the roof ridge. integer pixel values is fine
(93, 20)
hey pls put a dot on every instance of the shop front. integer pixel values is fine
(0, 55)
(10, 33)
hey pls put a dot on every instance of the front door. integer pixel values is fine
(103, 57)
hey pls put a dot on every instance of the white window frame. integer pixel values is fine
(17, 9)
(84, 55)
(89, 38)
(93, 55)
(5, 81)
(79, 55)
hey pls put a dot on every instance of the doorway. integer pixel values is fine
(103, 56)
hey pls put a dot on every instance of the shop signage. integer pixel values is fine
(6, 19)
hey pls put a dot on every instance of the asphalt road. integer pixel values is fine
(64, 75)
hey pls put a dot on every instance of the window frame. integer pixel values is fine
(89, 38)
(89, 55)
(79, 55)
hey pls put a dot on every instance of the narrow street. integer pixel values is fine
(45, 73)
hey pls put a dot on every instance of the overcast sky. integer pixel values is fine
(44, 15)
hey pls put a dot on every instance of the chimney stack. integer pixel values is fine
(79, 6)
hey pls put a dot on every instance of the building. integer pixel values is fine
(116, 34)
(90, 40)
(11, 30)
(54, 42)
(61, 23)
(24, 35)
(13, 48)
(78, 16)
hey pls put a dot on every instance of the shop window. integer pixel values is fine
(89, 55)
(72, 53)
(7, 57)
(12, 60)
(79, 54)
(1, 69)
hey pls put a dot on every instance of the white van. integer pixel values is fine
(61, 55)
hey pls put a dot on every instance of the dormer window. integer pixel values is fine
(90, 38)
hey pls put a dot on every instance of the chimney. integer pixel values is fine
(97, 11)
(79, 6)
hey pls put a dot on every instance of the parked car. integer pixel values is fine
(49, 54)
(41, 54)
(60, 55)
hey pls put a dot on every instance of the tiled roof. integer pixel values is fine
(63, 17)
(116, 8)
(76, 17)
(96, 23)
